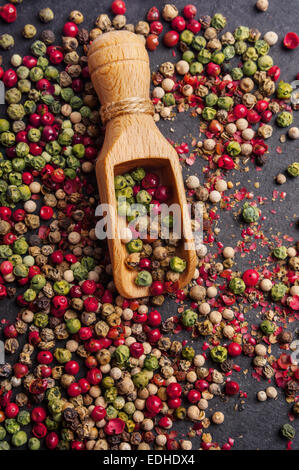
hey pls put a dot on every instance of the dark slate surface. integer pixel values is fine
(257, 426)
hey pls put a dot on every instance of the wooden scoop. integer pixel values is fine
(119, 67)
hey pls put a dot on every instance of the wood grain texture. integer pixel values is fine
(119, 68)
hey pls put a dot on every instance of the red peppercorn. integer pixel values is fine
(240, 111)
(8, 13)
(174, 403)
(171, 38)
(153, 14)
(274, 72)
(52, 440)
(267, 116)
(74, 390)
(38, 414)
(39, 430)
(3, 292)
(70, 29)
(11, 410)
(94, 376)
(10, 78)
(189, 11)
(194, 26)
(6, 267)
(250, 277)
(84, 385)
(91, 304)
(232, 388)
(114, 426)
(45, 357)
(1, 72)
(253, 117)
(72, 367)
(156, 27)
(178, 24)
(98, 413)
(165, 422)
(194, 396)
(10, 331)
(46, 371)
(174, 390)
(20, 370)
(291, 40)
(261, 106)
(154, 318)
(118, 7)
(157, 288)
(201, 385)
(152, 42)
(154, 335)
(56, 57)
(57, 257)
(234, 349)
(136, 349)
(46, 212)
(154, 404)
(213, 69)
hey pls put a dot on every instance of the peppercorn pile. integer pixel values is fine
(86, 368)
(139, 196)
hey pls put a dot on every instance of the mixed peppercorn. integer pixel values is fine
(92, 370)
(150, 238)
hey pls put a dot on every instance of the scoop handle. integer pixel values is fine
(119, 67)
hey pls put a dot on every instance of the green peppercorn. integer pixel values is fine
(280, 252)
(229, 52)
(29, 31)
(4, 125)
(233, 147)
(177, 264)
(204, 56)
(6, 41)
(4, 445)
(211, 99)
(249, 68)
(11, 426)
(46, 15)
(23, 417)
(284, 90)
(241, 33)
(288, 431)
(218, 57)
(19, 439)
(262, 47)
(62, 355)
(188, 353)
(169, 99)
(219, 354)
(134, 246)
(143, 279)
(250, 213)
(38, 48)
(151, 362)
(34, 443)
(198, 43)
(73, 325)
(225, 102)
(187, 37)
(196, 68)
(140, 380)
(218, 21)
(265, 62)
(293, 169)
(189, 317)
(278, 291)
(267, 327)
(38, 282)
(237, 285)
(188, 56)
(61, 287)
(122, 354)
(284, 119)
(209, 113)
(2, 433)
